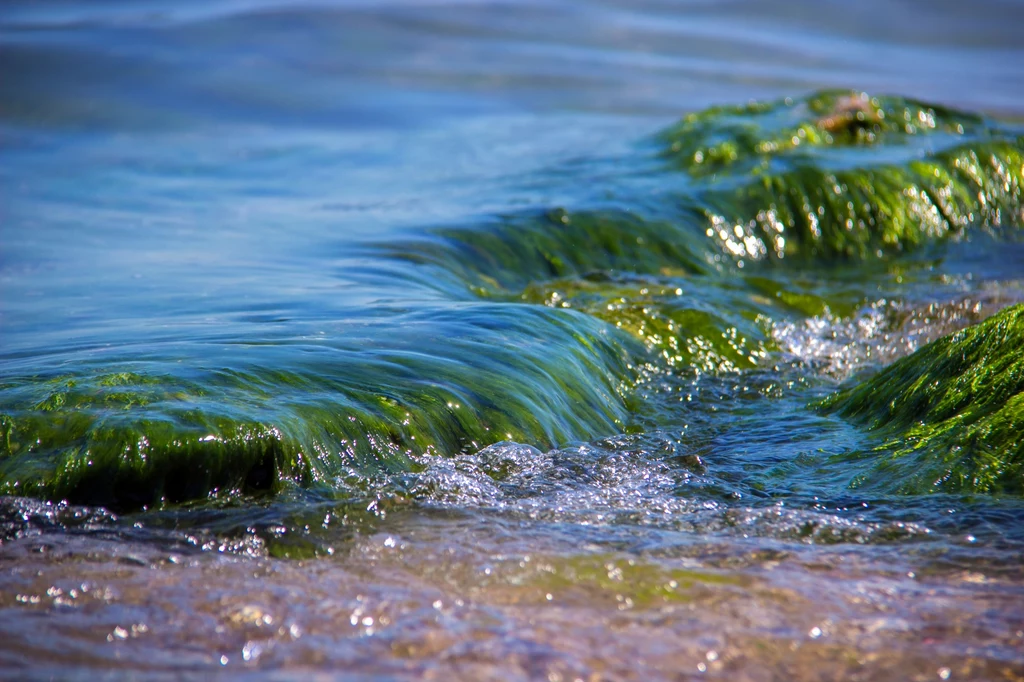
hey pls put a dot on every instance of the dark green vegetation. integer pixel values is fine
(323, 417)
(951, 414)
(549, 321)
(837, 175)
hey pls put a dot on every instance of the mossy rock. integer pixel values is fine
(951, 415)
(831, 176)
(796, 132)
(509, 254)
(649, 278)
(723, 331)
(445, 383)
(840, 175)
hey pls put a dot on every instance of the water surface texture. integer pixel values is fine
(512, 341)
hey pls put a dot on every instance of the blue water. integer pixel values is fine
(157, 158)
(211, 192)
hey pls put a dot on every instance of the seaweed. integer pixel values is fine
(950, 416)
(440, 384)
(840, 175)
(543, 324)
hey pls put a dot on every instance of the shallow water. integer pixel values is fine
(425, 271)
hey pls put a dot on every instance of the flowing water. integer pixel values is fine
(399, 340)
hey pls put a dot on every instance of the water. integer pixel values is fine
(397, 347)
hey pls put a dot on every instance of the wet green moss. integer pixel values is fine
(790, 133)
(608, 292)
(835, 175)
(950, 415)
(840, 175)
(642, 277)
(508, 255)
(864, 213)
(684, 329)
(441, 385)
(647, 278)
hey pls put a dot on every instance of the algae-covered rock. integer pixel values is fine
(504, 256)
(841, 175)
(540, 326)
(833, 175)
(721, 331)
(649, 278)
(951, 414)
(790, 133)
(168, 432)
(645, 277)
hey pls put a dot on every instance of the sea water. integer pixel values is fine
(289, 240)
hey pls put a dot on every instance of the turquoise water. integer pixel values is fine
(392, 341)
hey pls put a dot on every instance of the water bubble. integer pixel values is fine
(251, 651)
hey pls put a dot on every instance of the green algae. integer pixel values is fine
(864, 213)
(149, 438)
(950, 415)
(549, 317)
(741, 140)
(707, 324)
(643, 277)
(648, 278)
(669, 317)
(831, 176)
(505, 256)
(844, 176)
